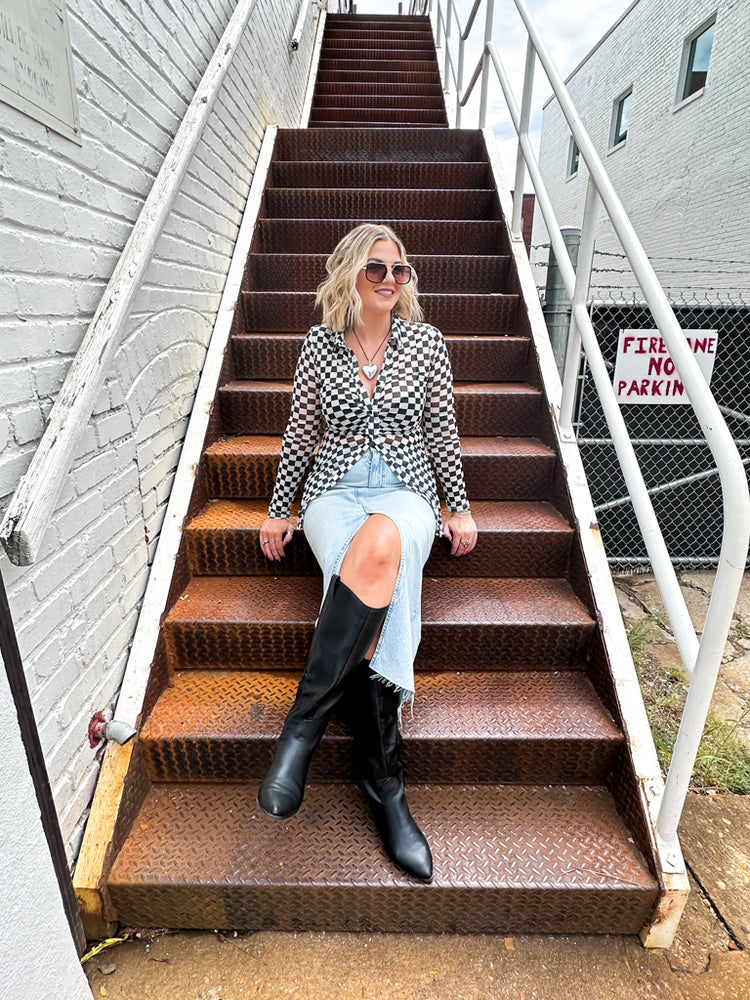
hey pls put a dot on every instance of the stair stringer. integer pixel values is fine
(122, 783)
(641, 779)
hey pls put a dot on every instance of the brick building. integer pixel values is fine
(68, 202)
(663, 96)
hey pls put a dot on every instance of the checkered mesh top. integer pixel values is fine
(410, 420)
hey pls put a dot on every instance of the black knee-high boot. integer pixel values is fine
(374, 708)
(346, 628)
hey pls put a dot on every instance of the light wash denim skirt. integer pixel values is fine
(332, 520)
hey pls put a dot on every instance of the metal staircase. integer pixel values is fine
(517, 765)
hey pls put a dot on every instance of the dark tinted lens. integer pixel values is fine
(401, 274)
(376, 272)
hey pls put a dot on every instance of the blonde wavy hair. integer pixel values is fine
(337, 294)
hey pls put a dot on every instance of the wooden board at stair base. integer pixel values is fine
(539, 860)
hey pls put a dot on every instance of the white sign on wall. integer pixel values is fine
(36, 67)
(645, 371)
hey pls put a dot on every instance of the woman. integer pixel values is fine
(381, 379)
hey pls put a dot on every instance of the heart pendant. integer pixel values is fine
(370, 371)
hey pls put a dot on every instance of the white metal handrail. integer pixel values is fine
(702, 658)
(37, 494)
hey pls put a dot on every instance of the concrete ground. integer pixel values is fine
(709, 959)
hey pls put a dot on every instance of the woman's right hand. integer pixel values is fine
(275, 535)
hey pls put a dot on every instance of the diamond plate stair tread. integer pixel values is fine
(274, 356)
(497, 468)
(342, 99)
(333, 114)
(251, 444)
(374, 88)
(442, 237)
(518, 538)
(437, 273)
(379, 144)
(296, 600)
(365, 173)
(454, 312)
(351, 203)
(477, 623)
(546, 857)
(251, 406)
(458, 706)
(543, 728)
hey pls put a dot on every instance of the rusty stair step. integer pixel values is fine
(517, 538)
(364, 123)
(356, 203)
(508, 859)
(496, 468)
(483, 408)
(431, 78)
(322, 115)
(380, 38)
(507, 468)
(420, 237)
(295, 312)
(344, 99)
(373, 88)
(368, 22)
(376, 63)
(387, 145)
(377, 174)
(467, 623)
(304, 272)
(364, 48)
(520, 726)
(274, 356)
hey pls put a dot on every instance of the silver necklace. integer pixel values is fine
(370, 370)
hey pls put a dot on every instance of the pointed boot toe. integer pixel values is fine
(283, 788)
(402, 838)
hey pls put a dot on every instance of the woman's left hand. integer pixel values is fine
(461, 532)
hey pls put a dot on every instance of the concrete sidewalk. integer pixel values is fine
(708, 960)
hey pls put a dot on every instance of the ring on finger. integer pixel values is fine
(465, 544)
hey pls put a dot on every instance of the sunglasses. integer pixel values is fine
(376, 272)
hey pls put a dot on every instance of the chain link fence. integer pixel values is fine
(677, 464)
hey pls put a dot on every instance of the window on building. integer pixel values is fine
(574, 156)
(696, 55)
(621, 118)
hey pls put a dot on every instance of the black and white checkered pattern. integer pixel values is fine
(410, 419)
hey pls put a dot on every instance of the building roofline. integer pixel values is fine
(589, 54)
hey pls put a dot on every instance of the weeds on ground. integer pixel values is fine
(723, 760)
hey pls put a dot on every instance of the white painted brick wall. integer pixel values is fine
(682, 173)
(66, 214)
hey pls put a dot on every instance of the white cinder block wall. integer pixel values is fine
(682, 173)
(66, 212)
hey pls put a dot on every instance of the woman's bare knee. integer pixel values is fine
(370, 566)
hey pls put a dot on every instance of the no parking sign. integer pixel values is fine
(645, 371)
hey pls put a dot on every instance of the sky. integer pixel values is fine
(569, 29)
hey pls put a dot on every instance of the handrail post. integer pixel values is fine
(447, 45)
(584, 265)
(488, 20)
(516, 226)
(460, 79)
